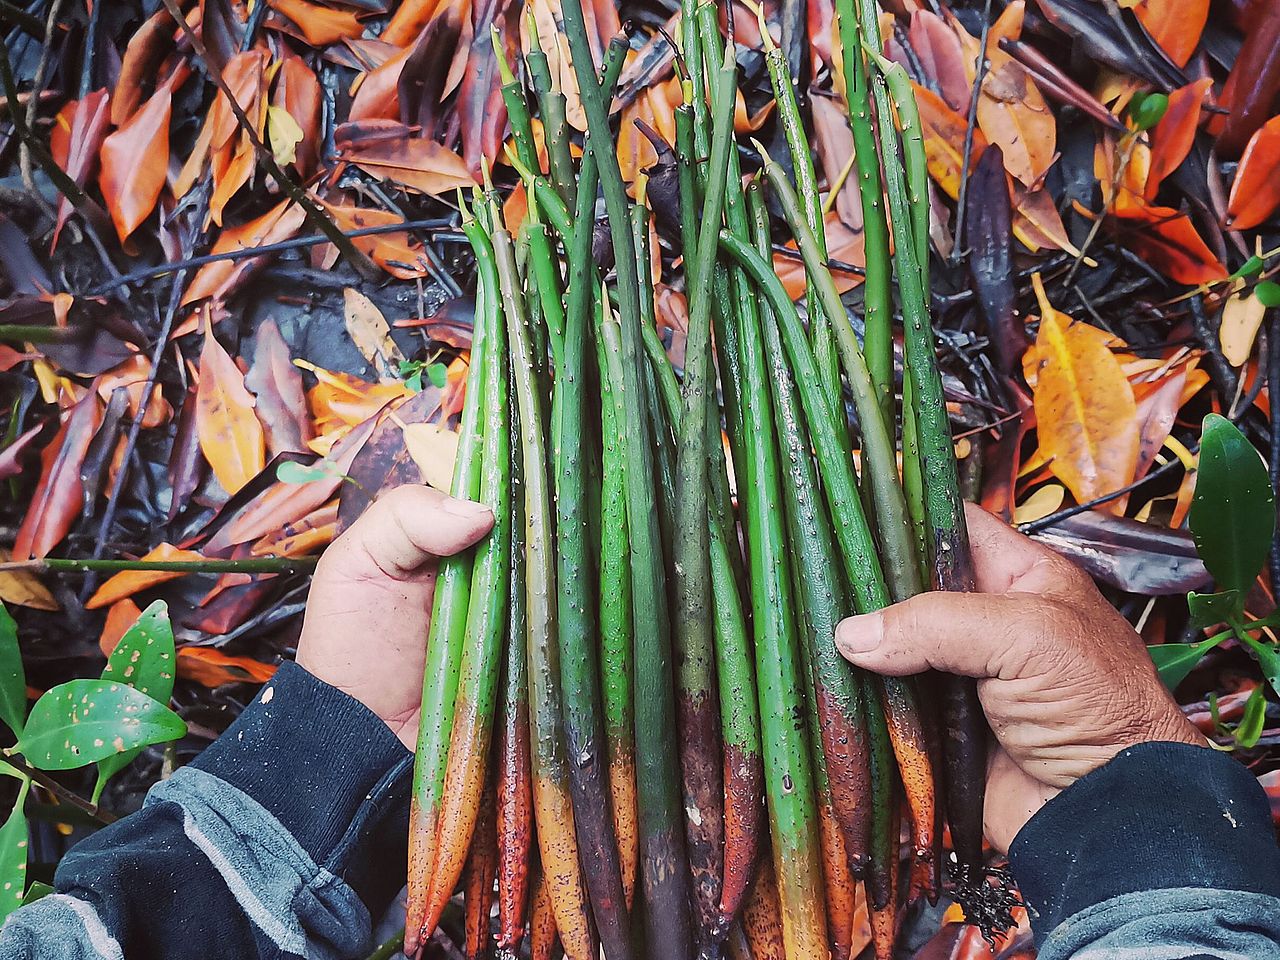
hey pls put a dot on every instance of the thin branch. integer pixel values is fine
(266, 159)
(13, 14)
(247, 253)
(104, 817)
(88, 564)
(388, 948)
(960, 248)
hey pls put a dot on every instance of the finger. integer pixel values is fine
(971, 634)
(1004, 559)
(411, 525)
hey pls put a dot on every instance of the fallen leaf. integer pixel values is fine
(12, 456)
(230, 435)
(58, 497)
(23, 589)
(942, 57)
(132, 375)
(370, 333)
(78, 132)
(320, 26)
(1044, 501)
(1173, 136)
(298, 93)
(1175, 25)
(216, 280)
(1255, 192)
(141, 57)
(434, 449)
(394, 252)
(408, 20)
(417, 163)
(281, 403)
(339, 398)
(1241, 318)
(284, 135)
(1167, 239)
(213, 668)
(843, 244)
(128, 582)
(303, 537)
(1011, 111)
(122, 615)
(1085, 409)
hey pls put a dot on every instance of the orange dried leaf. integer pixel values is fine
(394, 252)
(1085, 409)
(1172, 137)
(409, 19)
(1175, 25)
(135, 160)
(1011, 111)
(77, 135)
(213, 668)
(320, 26)
(1167, 239)
(231, 437)
(141, 56)
(216, 280)
(129, 582)
(298, 92)
(59, 496)
(122, 615)
(1255, 193)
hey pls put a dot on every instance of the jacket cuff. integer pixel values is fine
(330, 771)
(1158, 816)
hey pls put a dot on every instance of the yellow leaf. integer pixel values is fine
(231, 437)
(21, 587)
(434, 450)
(1085, 409)
(1241, 317)
(284, 134)
(1040, 504)
(371, 333)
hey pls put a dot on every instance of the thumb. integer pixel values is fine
(970, 634)
(410, 526)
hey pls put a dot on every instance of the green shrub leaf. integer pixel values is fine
(1268, 659)
(144, 659)
(13, 681)
(1210, 608)
(1249, 729)
(13, 855)
(1233, 512)
(1268, 293)
(1175, 660)
(84, 721)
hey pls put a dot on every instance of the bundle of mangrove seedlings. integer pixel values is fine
(636, 730)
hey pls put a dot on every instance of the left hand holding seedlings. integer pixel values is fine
(370, 603)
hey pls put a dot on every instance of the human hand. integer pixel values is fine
(365, 629)
(1065, 681)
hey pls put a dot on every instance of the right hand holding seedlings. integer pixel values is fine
(1064, 680)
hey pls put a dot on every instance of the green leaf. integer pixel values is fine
(1148, 110)
(1233, 512)
(1267, 657)
(36, 891)
(291, 471)
(1249, 729)
(438, 374)
(144, 659)
(13, 855)
(1208, 609)
(1175, 660)
(1250, 268)
(1268, 293)
(84, 721)
(13, 680)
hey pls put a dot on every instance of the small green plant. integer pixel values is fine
(106, 721)
(411, 371)
(1232, 519)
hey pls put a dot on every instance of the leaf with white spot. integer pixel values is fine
(13, 856)
(144, 659)
(13, 681)
(84, 721)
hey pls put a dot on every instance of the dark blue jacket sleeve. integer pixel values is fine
(283, 839)
(1167, 851)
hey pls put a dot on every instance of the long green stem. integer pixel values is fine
(663, 860)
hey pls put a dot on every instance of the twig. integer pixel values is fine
(88, 564)
(266, 159)
(90, 49)
(961, 248)
(836, 266)
(15, 15)
(160, 269)
(33, 108)
(1273, 388)
(104, 817)
(388, 948)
